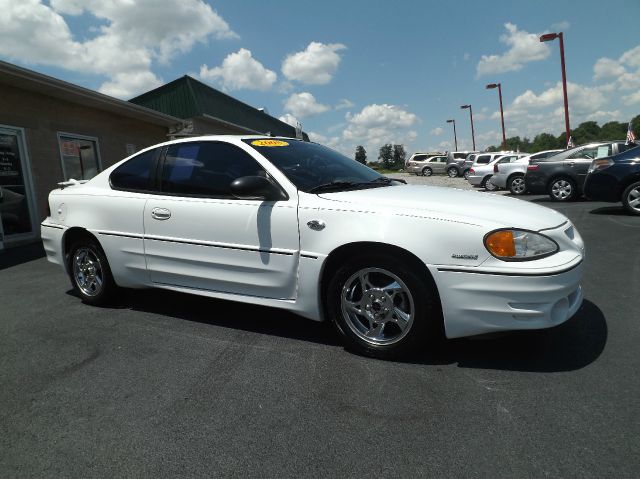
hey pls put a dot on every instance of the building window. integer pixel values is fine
(79, 154)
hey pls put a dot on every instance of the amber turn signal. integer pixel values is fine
(501, 244)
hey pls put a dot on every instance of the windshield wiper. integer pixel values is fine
(387, 180)
(334, 185)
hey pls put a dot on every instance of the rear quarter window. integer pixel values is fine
(135, 174)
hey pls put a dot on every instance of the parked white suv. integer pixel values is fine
(511, 176)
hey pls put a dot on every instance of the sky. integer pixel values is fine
(352, 73)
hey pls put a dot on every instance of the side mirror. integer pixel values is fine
(256, 188)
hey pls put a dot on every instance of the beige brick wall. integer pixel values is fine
(42, 117)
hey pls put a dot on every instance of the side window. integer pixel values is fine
(589, 153)
(206, 169)
(483, 159)
(135, 173)
(419, 158)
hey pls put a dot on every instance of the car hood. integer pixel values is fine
(452, 204)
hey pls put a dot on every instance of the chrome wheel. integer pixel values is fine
(87, 271)
(633, 199)
(561, 190)
(466, 174)
(427, 172)
(517, 185)
(377, 306)
(452, 172)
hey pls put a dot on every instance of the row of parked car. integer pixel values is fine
(604, 171)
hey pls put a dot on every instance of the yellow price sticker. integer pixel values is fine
(269, 143)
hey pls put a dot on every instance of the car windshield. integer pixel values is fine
(310, 166)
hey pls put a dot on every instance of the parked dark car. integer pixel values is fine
(562, 176)
(616, 179)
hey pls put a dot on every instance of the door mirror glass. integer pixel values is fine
(256, 188)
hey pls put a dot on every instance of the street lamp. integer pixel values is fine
(455, 137)
(473, 134)
(491, 86)
(547, 37)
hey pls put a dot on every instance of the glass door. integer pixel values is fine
(16, 191)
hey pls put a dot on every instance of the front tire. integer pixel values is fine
(382, 306)
(452, 172)
(516, 185)
(90, 273)
(562, 189)
(631, 198)
(466, 174)
(427, 171)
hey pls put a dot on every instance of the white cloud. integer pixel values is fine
(240, 71)
(623, 73)
(607, 68)
(343, 104)
(437, 131)
(633, 98)
(524, 47)
(376, 125)
(315, 65)
(126, 43)
(560, 26)
(581, 98)
(289, 119)
(304, 104)
(466, 56)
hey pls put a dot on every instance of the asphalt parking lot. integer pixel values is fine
(169, 385)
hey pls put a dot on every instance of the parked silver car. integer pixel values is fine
(455, 162)
(426, 165)
(510, 176)
(480, 173)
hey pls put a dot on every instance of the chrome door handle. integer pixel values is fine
(160, 214)
(571, 163)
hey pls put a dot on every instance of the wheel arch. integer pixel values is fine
(339, 255)
(634, 178)
(71, 236)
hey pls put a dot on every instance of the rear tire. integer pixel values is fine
(487, 185)
(426, 171)
(631, 198)
(466, 174)
(90, 273)
(562, 189)
(516, 185)
(452, 172)
(383, 307)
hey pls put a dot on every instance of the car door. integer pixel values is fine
(439, 164)
(197, 235)
(577, 164)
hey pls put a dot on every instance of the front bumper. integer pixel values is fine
(477, 303)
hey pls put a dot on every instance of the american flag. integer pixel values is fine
(631, 137)
(570, 143)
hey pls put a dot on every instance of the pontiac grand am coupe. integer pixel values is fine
(294, 225)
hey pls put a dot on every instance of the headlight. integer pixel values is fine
(600, 165)
(519, 245)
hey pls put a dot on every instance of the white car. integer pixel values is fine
(294, 225)
(510, 176)
(480, 173)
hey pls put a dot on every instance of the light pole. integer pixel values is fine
(547, 37)
(491, 86)
(455, 137)
(473, 134)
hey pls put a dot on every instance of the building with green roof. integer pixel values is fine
(209, 111)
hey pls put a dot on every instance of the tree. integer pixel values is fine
(545, 141)
(399, 156)
(614, 130)
(361, 155)
(386, 155)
